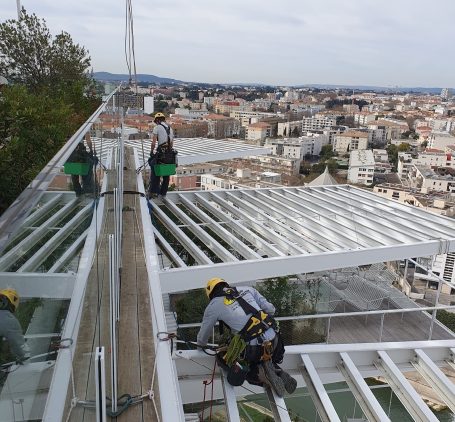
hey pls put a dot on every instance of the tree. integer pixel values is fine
(326, 153)
(50, 97)
(31, 56)
(296, 132)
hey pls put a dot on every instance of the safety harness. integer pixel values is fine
(259, 321)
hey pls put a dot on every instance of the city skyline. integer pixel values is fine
(349, 43)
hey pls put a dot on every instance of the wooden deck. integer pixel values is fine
(135, 336)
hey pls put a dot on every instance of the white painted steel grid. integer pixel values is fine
(290, 230)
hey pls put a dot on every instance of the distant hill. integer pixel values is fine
(389, 89)
(141, 77)
(108, 77)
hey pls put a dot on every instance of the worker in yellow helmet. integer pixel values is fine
(9, 325)
(162, 138)
(255, 348)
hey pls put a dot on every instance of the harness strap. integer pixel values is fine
(259, 321)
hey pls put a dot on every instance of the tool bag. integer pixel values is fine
(165, 153)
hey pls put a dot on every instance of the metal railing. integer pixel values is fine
(328, 319)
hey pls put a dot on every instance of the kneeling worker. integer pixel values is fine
(9, 325)
(256, 348)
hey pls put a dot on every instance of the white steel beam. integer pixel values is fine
(322, 220)
(230, 399)
(362, 225)
(175, 280)
(239, 246)
(411, 212)
(164, 244)
(436, 378)
(69, 253)
(41, 285)
(256, 223)
(366, 215)
(277, 406)
(312, 236)
(34, 261)
(40, 212)
(257, 241)
(410, 399)
(321, 400)
(202, 235)
(278, 226)
(55, 404)
(402, 214)
(362, 393)
(192, 249)
(170, 397)
(13, 254)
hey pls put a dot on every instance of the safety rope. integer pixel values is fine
(236, 347)
(207, 383)
(291, 412)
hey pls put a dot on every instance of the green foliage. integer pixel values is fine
(191, 306)
(31, 56)
(51, 96)
(285, 296)
(326, 153)
(319, 168)
(447, 318)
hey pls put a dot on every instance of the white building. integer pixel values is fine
(298, 147)
(258, 131)
(364, 118)
(427, 180)
(351, 140)
(404, 164)
(149, 106)
(190, 114)
(318, 123)
(440, 140)
(361, 167)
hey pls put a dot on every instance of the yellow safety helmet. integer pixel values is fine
(12, 297)
(158, 115)
(211, 284)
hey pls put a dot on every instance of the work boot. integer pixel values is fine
(269, 377)
(290, 383)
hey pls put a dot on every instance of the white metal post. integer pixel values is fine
(113, 323)
(100, 382)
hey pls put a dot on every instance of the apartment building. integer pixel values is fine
(361, 167)
(220, 127)
(351, 140)
(298, 147)
(189, 177)
(318, 122)
(427, 179)
(240, 179)
(404, 164)
(391, 129)
(258, 131)
(440, 140)
(248, 117)
(364, 118)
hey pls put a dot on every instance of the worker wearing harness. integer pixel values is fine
(9, 325)
(255, 348)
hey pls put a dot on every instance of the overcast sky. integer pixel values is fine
(285, 42)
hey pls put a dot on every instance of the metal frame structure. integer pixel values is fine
(292, 231)
(316, 365)
(240, 235)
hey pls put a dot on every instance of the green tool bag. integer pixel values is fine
(80, 169)
(164, 169)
